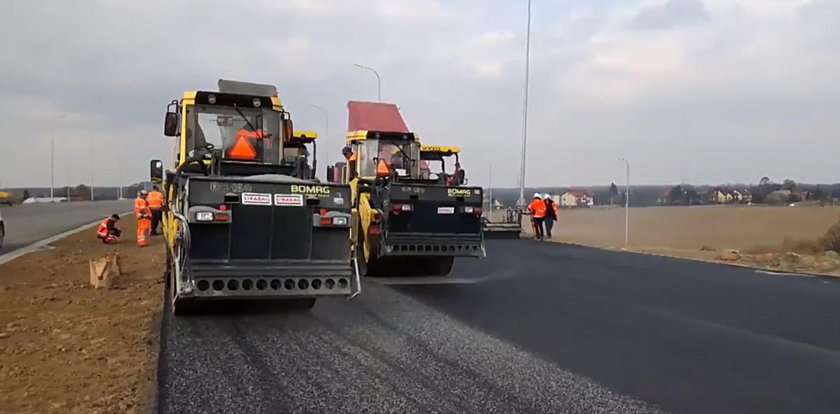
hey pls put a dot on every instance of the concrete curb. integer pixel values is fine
(44, 244)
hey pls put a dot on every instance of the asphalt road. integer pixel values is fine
(28, 223)
(544, 328)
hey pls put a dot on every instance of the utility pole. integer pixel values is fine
(626, 205)
(378, 80)
(525, 107)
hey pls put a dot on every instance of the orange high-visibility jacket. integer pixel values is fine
(537, 208)
(155, 200)
(141, 208)
(102, 230)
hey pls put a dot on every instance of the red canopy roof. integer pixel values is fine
(374, 116)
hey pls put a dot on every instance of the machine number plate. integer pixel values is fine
(288, 200)
(256, 199)
(230, 187)
(446, 210)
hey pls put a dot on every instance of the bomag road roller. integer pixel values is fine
(405, 223)
(243, 219)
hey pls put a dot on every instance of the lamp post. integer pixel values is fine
(525, 107)
(626, 204)
(378, 80)
(91, 168)
(52, 160)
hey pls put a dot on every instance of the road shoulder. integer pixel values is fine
(67, 346)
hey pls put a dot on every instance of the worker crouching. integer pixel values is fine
(144, 218)
(108, 231)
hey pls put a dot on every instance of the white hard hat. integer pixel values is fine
(536, 195)
(144, 192)
(546, 195)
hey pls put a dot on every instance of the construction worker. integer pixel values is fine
(155, 200)
(386, 160)
(351, 158)
(550, 214)
(458, 177)
(144, 217)
(108, 231)
(537, 210)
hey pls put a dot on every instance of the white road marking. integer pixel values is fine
(44, 244)
(769, 272)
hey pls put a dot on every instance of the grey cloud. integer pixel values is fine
(112, 66)
(670, 14)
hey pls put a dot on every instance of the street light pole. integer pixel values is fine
(378, 80)
(525, 107)
(52, 161)
(52, 169)
(490, 191)
(91, 168)
(626, 204)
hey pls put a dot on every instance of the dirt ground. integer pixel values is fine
(67, 347)
(704, 232)
(746, 228)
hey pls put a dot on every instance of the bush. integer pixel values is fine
(831, 239)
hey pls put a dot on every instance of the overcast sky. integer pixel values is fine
(698, 91)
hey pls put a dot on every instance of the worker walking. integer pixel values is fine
(550, 214)
(155, 200)
(144, 217)
(108, 231)
(537, 210)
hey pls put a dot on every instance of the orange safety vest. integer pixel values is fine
(102, 230)
(353, 157)
(382, 169)
(155, 200)
(243, 148)
(537, 207)
(141, 208)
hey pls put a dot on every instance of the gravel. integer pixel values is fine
(383, 352)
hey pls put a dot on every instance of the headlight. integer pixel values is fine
(211, 99)
(256, 102)
(204, 216)
(339, 221)
(468, 210)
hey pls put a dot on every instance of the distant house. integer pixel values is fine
(720, 196)
(665, 197)
(576, 198)
(727, 196)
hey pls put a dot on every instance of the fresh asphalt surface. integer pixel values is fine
(28, 223)
(544, 328)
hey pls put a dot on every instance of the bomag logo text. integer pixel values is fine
(311, 189)
(456, 192)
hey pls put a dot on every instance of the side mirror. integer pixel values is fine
(156, 171)
(170, 124)
(288, 129)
